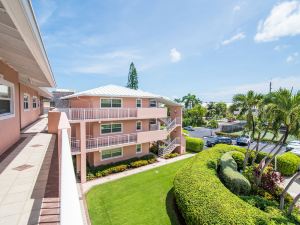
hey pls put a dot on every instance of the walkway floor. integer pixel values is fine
(88, 185)
(294, 188)
(28, 191)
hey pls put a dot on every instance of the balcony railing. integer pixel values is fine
(113, 113)
(109, 141)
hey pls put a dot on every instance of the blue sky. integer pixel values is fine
(213, 49)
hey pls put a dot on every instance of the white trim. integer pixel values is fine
(36, 102)
(13, 102)
(111, 103)
(110, 129)
(139, 121)
(28, 95)
(141, 149)
(141, 103)
(115, 157)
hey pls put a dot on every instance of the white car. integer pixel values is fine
(293, 145)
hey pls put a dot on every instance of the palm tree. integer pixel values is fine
(285, 109)
(190, 101)
(247, 104)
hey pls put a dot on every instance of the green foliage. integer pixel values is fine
(171, 155)
(249, 174)
(133, 82)
(189, 100)
(259, 202)
(194, 116)
(288, 163)
(203, 199)
(194, 144)
(232, 179)
(213, 124)
(239, 159)
(105, 170)
(185, 132)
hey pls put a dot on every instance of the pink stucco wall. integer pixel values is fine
(30, 115)
(10, 128)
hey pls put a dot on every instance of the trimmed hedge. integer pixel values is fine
(232, 179)
(194, 144)
(288, 163)
(203, 199)
(239, 159)
(171, 155)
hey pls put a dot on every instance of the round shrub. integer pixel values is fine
(288, 163)
(139, 163)
(239, 159)
(232, 179)
(203, 199)
(194, 144)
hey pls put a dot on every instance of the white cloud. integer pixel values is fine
(234, 38)
(293, 58)
(280, 48)
(236, 8)
(46, 10)
(226, 94)
(175, 55)
(284, 20)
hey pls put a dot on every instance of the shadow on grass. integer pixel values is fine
(172, 209)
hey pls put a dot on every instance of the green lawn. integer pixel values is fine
(140, 199)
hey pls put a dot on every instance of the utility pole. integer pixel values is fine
(270, 87)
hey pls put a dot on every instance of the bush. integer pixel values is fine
(139, 163)
(203, 199)
(288, 163)
(233, 180)
(239, 159)
(171, 155)
(213, 124)
(194, 144)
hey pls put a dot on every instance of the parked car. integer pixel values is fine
(189, 128)
(243, 140)
(293, 145)
(211, 141)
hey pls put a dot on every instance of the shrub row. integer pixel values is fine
(171, 155)
(194, 144)
(203, 199)
(102, 171)
(232, 179)
(288, 163)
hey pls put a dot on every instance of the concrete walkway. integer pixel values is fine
(294, 188)
(161, 162)
(28, 194)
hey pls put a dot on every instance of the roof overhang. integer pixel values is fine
(21, 45)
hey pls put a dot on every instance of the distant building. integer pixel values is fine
(56, 100)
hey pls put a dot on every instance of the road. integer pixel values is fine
(202, 132)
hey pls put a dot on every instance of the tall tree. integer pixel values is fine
(132, 82)
(190, 101)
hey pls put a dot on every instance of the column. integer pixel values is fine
(83, 152)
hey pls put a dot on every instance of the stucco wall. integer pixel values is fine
(10, 128)
(94, 158)
(30, 115)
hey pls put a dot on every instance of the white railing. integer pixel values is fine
(70, 211)
(96, 113)
(75, 145)
(154, 127)
(109, 141)
(169, 148)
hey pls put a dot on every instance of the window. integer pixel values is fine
(138, 125)
(138, 148)
(139, 103)
(111, 103)
(26, 101)
(111, 128)
(34, 102)
(152, 103)
(6, 98)
(112, 153)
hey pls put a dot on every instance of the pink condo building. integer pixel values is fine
(114, 123)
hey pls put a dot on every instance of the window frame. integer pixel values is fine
(136, 148)
(28, 102)
(112, 157)
(136, 103)
(11, 114)
(111, 129)
(111, 103)
(36, 102)
(136, 123)
(152, 100)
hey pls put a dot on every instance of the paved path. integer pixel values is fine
(88, 185)
(294, 188)
(26, 195)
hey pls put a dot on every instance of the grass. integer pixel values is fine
(144, 198)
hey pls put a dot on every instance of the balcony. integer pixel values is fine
(96, 114)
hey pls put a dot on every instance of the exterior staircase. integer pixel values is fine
(163, 150)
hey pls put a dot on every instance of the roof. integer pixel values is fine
(120, 91)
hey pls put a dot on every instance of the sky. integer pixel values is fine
(213, 49)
